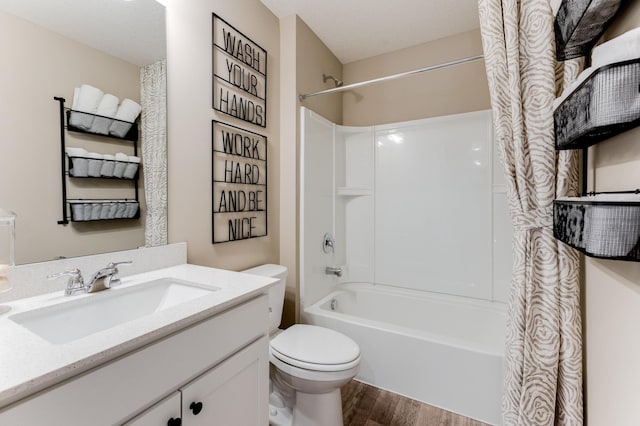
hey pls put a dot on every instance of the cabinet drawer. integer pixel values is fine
(113, 393)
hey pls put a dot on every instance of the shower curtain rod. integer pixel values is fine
(391, 77)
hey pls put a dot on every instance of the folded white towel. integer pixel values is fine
(121, 164)
(88, 99)
(622, 48)
(555, 5)
(604, 198)
(107, 108)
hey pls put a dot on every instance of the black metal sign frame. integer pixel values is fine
(239, 183)
(239, 74)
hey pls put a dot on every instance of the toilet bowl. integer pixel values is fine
(309, 364)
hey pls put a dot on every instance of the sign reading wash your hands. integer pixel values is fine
(239, 74)
(239, 193)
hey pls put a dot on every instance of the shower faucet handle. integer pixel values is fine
(328, 243)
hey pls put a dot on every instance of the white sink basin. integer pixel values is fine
(69, 321)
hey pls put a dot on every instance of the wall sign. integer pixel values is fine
(239, 74)
(239, 194)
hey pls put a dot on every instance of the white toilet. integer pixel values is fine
(308, 365)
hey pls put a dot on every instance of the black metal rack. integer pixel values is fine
(131, 135)
(605, 104)
(580, 23)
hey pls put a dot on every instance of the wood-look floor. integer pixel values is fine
(364, 405)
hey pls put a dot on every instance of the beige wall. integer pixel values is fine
(304, 59)
(313, 59)
(612, 288)
(189, 85)
(457, 89)
(37, 65)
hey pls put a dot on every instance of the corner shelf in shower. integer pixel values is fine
(350, 191)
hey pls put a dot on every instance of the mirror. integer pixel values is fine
(49, 48)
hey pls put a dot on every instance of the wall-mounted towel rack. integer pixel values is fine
(68, 213)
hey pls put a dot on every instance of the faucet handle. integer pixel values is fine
(115, 264)
(75, 282)
(73, 274)
(114, 279)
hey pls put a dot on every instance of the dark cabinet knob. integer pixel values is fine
(174, 422)
(196, 407)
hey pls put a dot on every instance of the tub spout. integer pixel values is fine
(337, 271)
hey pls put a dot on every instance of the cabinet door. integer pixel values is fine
(164, 413)
(234, 393)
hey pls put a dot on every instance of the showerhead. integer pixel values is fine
(337, 82)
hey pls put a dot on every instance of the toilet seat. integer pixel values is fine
(315, 348)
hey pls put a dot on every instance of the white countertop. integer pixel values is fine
(28, 363)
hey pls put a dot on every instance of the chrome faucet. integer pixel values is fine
(101, 280)
(337, 271)
(105, 277)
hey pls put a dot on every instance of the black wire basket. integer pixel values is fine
(605, 104)
(603, 229)
(580, 23)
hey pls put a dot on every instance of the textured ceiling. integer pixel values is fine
(358, 29)
(130, 30)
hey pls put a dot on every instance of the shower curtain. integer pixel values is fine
(543, 357)
(153, 83)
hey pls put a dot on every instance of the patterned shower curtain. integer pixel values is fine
(153, 83)
(543, 356)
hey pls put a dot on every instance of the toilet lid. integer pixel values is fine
(310, 345)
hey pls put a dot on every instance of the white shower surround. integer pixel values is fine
(402, 258)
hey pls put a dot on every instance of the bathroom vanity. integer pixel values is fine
(201, 356)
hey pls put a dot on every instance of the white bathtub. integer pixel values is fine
(446, 351)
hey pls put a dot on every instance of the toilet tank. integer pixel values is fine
(276, 292)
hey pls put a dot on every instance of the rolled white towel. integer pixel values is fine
(622, 48)
(132, 167)
(88, 99)
(127, 114)
(121, 164)
(79, 162)
(108, 165)
(76, 152)
(95, 163)
(76, 94)
(107, 108)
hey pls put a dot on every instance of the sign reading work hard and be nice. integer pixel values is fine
(239, 183)
(239, 74)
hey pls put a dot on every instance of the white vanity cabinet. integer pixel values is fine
(166, 412)
(228, 394)
(220, 362)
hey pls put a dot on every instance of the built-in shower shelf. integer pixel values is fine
(350, 191)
